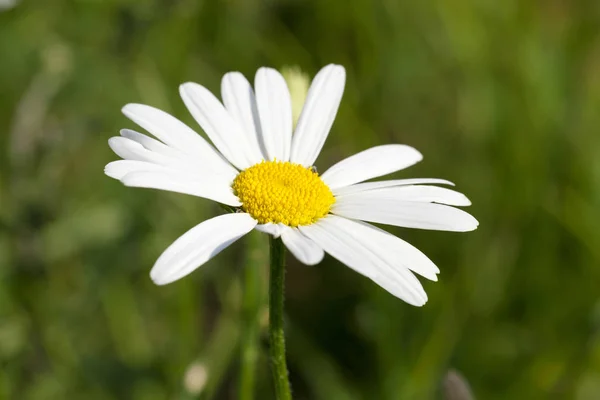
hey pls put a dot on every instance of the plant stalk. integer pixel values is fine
(276, 334)
(252, 301)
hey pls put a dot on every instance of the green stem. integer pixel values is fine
(276, 335)
(255, 260)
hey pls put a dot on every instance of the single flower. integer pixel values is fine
(264, 172)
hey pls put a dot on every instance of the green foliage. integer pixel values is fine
(502, 98)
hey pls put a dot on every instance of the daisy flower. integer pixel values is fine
(264, 171)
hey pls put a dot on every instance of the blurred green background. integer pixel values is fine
(502, 98)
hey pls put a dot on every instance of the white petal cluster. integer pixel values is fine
(252, 125)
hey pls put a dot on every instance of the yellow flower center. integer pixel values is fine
(282, 192)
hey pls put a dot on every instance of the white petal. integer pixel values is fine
(359, 187)
(408, 214)
(402, 252)
(178, 135)
(175, 182)
(275, 111)
(220, 127)
(272, 229)
(344, 241)
(303, 248)
(426, 194)
(371, 163)
(152, 144)
(175, 158)
(198, 245)
(131, 150)
(118, 169)
(240, 102)
(319, 111)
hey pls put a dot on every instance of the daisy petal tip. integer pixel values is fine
(264, 70)
(128, 180)
(230, 79)
(268, 76)
(114, 143)
(159, 278)
(415, 153)
(232, 75)
(339, 70)
(470, 224)
(416, 300)
(420, 300)
(334, 66)
(109, 170)
(126, 109)
(337, 73)
(133, 179)
(131, 109)
(186, 88)
(183, 88)
(465, 202)
(314, 260)
(420, 304)
(466, 223)
(405, 151)
(459, 200)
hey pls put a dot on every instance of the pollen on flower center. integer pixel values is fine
(282, 192)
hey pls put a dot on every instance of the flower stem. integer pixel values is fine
(276, 335)
(252, 301)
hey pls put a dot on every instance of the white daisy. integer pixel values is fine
(262, 170)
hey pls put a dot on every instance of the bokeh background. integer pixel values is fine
(502, 98)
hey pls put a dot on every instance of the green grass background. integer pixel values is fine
(501, 97)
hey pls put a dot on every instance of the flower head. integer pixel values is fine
(264, 171)
(283, 193)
